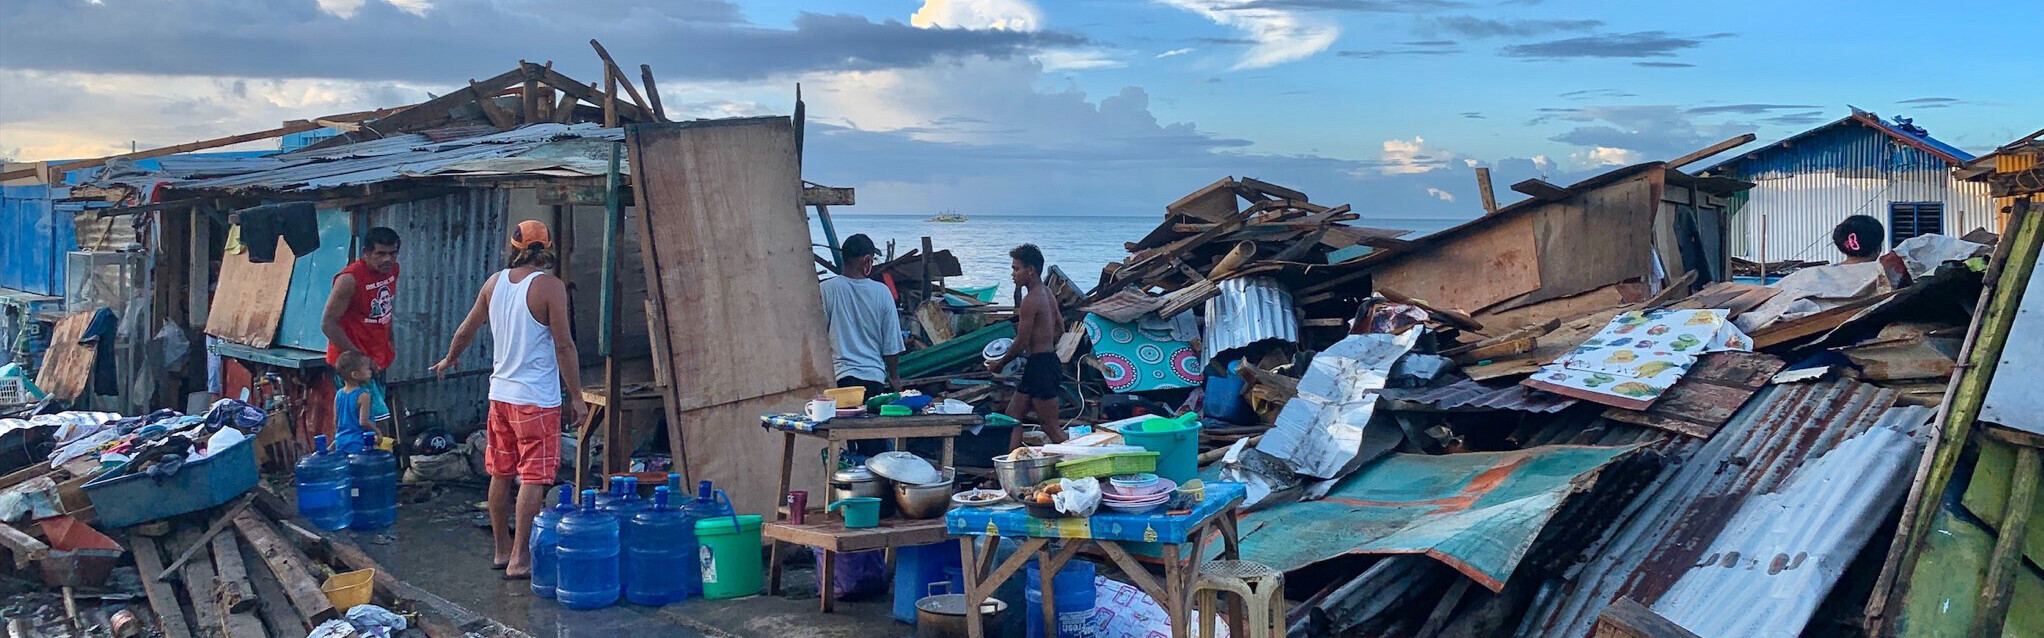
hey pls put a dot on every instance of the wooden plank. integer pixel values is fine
(1708, 151)
(487, 101)
(1626, 618)
(1705, 398)
(1214, 202)
(585, 92)
(235, 593)
(67, 365)
(1490, 199)
(162, 599)
(226, 518)
(1541, 312)
(528, 99)
(652, 92)
(2007, 558)
(611, 67)
(249, 302)
(828, 196)
(26, 549)
(1822, 322)
(434, 111)
(833, 536)
(290, 568)
(1541, 189)
(1272, 190)
(198, 580)
(1447, 274)
(277, 615)
(1449, 317)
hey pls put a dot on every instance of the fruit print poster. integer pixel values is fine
(1639, 355)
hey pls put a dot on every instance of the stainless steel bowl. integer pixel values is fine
(1017, 476)
(928, 500)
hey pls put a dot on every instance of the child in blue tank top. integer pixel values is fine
(352, 415)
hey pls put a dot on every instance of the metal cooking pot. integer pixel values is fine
(859, 481)
(1017, 476)
(943, 615)
(928, 500)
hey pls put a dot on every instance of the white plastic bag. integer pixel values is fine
(1078, 497)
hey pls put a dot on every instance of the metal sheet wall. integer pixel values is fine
(1806, 190)
(451, 244)
(33, 241)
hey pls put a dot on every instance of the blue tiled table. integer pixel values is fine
(1106, 532)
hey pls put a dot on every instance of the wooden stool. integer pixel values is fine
(1260, 588)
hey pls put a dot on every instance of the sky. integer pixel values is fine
(1095, 107)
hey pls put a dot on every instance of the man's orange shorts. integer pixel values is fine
(524, 441)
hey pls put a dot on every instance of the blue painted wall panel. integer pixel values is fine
(33, 240)
(312, 277)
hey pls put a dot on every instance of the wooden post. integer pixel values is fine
(926, 272)
(1490, 200)
(652, 93)
(236, 594)
(613, 220)
(270, 604)
(199, 587)
(610, 118)
(529, 99)
(2007, 558)
(162, 600)
(487, 101)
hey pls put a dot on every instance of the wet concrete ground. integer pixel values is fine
(438, 547)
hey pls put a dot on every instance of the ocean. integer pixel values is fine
(1080, 245)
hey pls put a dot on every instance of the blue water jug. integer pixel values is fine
(660, 554)
(588, 557)
(545, 543)
(1074, 590)
(710, 502)
(323, 487)
(613, 490)
(373, 472)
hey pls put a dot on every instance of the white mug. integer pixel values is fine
(822, 409)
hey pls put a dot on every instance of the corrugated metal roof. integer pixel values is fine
(1783, 551)
(1817, 146)
(1468, 393)
(1250, 309)
(1666, 529)
(398, 157)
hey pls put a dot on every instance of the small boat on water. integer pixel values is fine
(948, 217)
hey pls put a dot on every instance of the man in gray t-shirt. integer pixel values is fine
(865, 329)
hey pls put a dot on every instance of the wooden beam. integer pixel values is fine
(1272, 190)
(1708, 151)
(26, 549)
(290, 568)
(199, 581)
(652, 92)
(611, 68)
(1539, 188)
(271, 602)
(828, 196)
(2007, 558)
(226, 518)
(585, 92)
(610, 118)
(1490, 199)
(565, 110)
(529, 99)
(162, 599)
(235, 593)
(298, 126)
(1628, 619)
(487, 101)
(436, 109)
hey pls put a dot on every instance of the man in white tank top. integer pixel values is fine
(536, 363)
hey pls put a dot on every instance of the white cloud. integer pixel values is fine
(1607, 156)
(1010, 15)
(1077, 60)
(1281, 35)
(347, 8)
(1405, 157)
(1174, 53)
(1441, 194)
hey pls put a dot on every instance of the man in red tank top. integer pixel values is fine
(358, 311)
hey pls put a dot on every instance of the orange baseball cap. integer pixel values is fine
(530, 232)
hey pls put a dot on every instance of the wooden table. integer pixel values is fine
(1104, 533)
(836, 432)
(833, 538)
(620, 435)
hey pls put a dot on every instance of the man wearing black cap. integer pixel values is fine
(865, 330)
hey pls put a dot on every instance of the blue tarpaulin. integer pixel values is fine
(1478, 512)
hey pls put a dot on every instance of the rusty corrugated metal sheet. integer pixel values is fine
(1665, 531)
(451, 243)
(1473, 394)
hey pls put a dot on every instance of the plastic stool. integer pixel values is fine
(1261, 588)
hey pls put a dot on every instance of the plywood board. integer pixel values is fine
(1470, 271)
(1612, 296)
(67, 367)
(1594, 239)
(728, 260)
(726, 445)
(249, 302)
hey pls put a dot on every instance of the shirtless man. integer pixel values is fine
(1038, 325)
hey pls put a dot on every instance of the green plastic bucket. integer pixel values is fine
(729, 553)
(1176, 442)
(859, 511)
